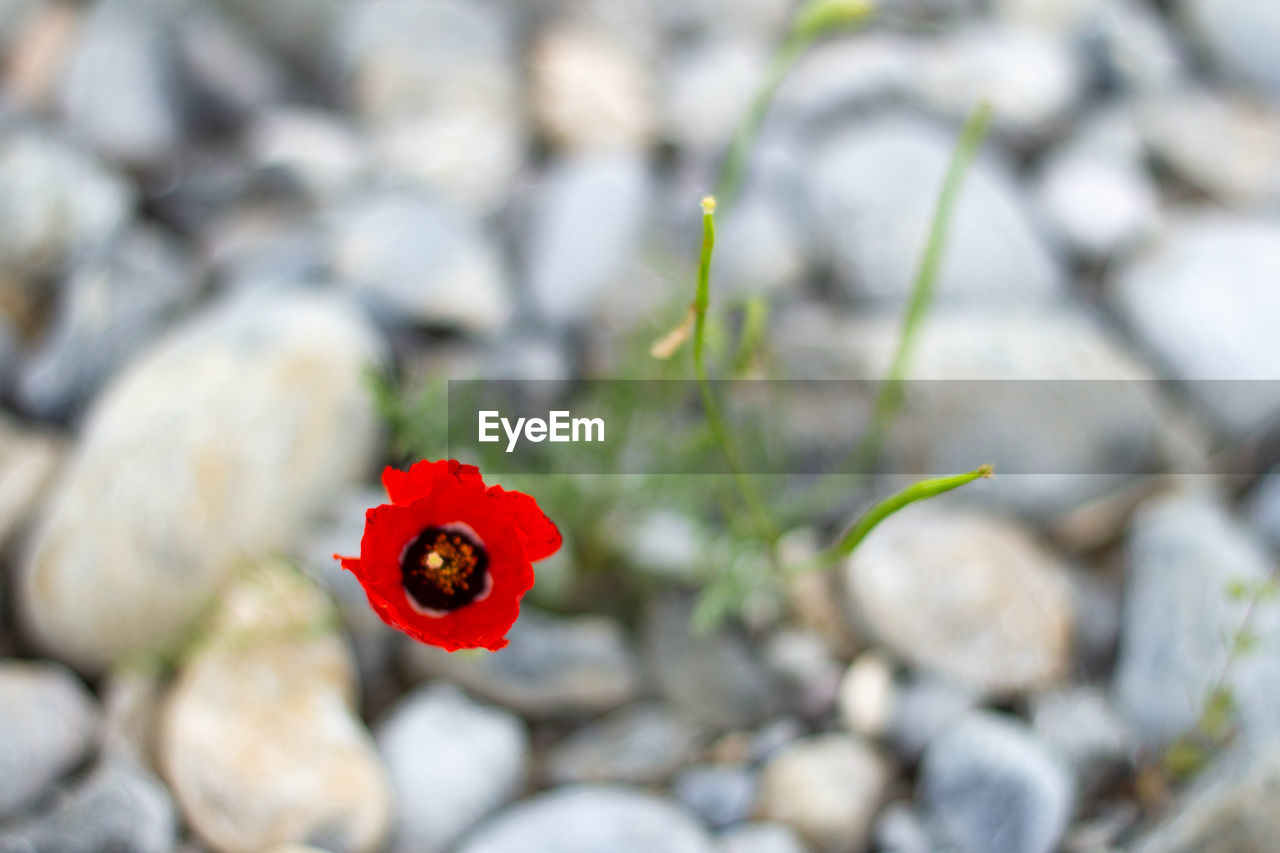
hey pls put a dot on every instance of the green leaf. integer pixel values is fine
(1239, 590)
(923, 490)
(1184, 758)
(1219, 714)
(1246, 642)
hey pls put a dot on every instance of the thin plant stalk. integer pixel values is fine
(815, 20)
(920, 301)
(715, 417)
(924, 287)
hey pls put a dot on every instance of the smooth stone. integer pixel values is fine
(12, 15)
(406, 58)
(711, 678)
(771, 737)
(410, 257)
(12, 324)
(762, 837)
(552, 667)
(589, 90)
(1129, 43)
(1083, 728)
(584, 231)
(968, 595)
(635, 24)
(1135, 48)
(452, 761)
(120, 88)
(1098, 208)
(640, 744)
(1112, 131)
(744, 18)
(55, 201)
(1226, 144)
(1240, 36)
(1184, 552)
(113, 304)
(901, 830)
(807, 673)
(721, 794)
(219, 443)
(1202, 300)
(991, 787)
(231, 77)
(925, 706)
(873, 188)
(1264, 508)
(868, 695)
(1234, 805)
(707, 90)
(266, 248)
(841, 76)
(1060, 16)
(318, 152)
(437, 85)
(302, 31)
(664, 544)
(588, 819)
(471, 154)
(1031, 78)
(260, 739)
(36, 40)
(48, 723)
(119, 806)
(826, 787)
(1099, 614)
(29, 462)
(759, 249)
(131, 701)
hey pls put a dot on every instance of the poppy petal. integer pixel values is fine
(541, 536)
(405, 487)
(507, 525)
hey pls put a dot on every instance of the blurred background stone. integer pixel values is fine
(581, 818)
(451, 762)
(49, 723)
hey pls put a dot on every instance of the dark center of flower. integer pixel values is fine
(444, 569)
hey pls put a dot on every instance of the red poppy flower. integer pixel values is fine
(448, 560)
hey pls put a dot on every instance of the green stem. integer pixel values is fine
(715, 417)
(733, 174)
(924, 287)
(813, 20)
(870, 519)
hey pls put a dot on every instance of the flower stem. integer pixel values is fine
(814, 20)
(715, 417)
(924, 287)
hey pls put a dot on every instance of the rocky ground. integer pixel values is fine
(215, 215)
